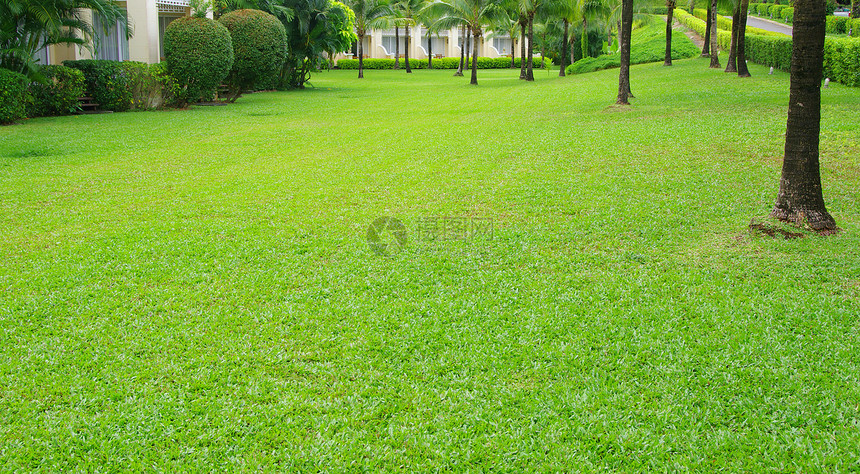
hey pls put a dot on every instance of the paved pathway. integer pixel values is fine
(768, 25)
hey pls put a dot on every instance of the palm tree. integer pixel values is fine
(670, 10)
(706, 47)
(732, 62)
(510, 27)
(743, 71)
(26, 26)
(800, 200)
(474, 14)
(369, 14)
(591, 10)
(715, 55)
(624, 37)
(408, 11)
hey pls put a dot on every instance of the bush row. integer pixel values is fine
(841, 25)
(774, 11)
(841, 55)
(13, 91)
(724, 23)
(58, 94)
(443, 63)
(127, 85)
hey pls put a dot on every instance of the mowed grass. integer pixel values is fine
(193, 290)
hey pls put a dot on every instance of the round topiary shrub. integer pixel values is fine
(13, 95)
(259, 50)
(199, 56)
(59, 94)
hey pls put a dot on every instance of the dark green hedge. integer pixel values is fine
(199, 55)
(106, 82)
(443, 63)
(841, 55)
(58, 95)
(259, 48)
(13, 94)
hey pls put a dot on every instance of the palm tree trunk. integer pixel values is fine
(361, 55)
(475, 37)
(396, 47)
(462, 50)
(522, 50)
(584, 41)
(706, 48)
(513, 52)
(732, 65)
(408, 68)
(468, 45)
(715, 54)
(429, 50)
(563, 57)
(743, 71)
(670, 11)
(624, 37)
(530, 75)
(800, 198)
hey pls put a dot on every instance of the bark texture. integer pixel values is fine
(624, 37)
(361, 55)
(396, 47)
(743, 71)
(408, 68)
(800, 199)
(706, 48)
(462, 50)
(670, 11)
(523, 49)
(732, 65)
(715, 53)
(530, 75)
(476, 36)
(563, 57)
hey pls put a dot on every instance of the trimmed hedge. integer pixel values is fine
(58, 95)
(259, 49)
(841, 55)
(13, 96)
(199, 55)
(106, 82)
(787, 15)
(648, 45)
(837, 25)
(774, 11)
(442, 63)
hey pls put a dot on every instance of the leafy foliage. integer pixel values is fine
(106, 82)
(259, 49)
(13, 93)
(199, 56)
(57, 94)
(26, 26)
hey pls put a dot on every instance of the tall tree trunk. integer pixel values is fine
(732, 65)
(429, 50)
(468, 45)
(396, 47)
(800, 198)
(563, 57)
(624, 37)
(743, 71)
(513, 52)
(523, 50)
(408, 67)
(670, 11)
(476, 36)
(715, 52)
(462, 50)
(361, 55)
(530, 75)
(584, 41)
(706, 48)
(572, 49)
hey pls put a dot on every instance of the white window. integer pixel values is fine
(388, 44)
(163, 21)
(110, 41)
(438, 45)
(502, 45)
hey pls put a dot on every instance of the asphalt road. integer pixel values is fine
(768, 25)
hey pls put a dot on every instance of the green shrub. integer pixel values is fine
(259, 49)
(442, 63)
(13, 96)
(58, 95)
(199, 56)
(837, 25)
(842, 60)
(854, 27)
(787, 15)
(106, 82)
(648, 45)
(762, 9)
(775, 10)
(150, 85)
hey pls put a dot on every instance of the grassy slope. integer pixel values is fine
(648, 45)
(193, 289)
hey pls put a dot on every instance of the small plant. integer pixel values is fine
(199, 56)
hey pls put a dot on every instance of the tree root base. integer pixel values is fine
(777, 228)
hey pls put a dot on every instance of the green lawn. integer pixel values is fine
(189, 290)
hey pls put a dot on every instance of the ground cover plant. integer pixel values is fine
(192, 290)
